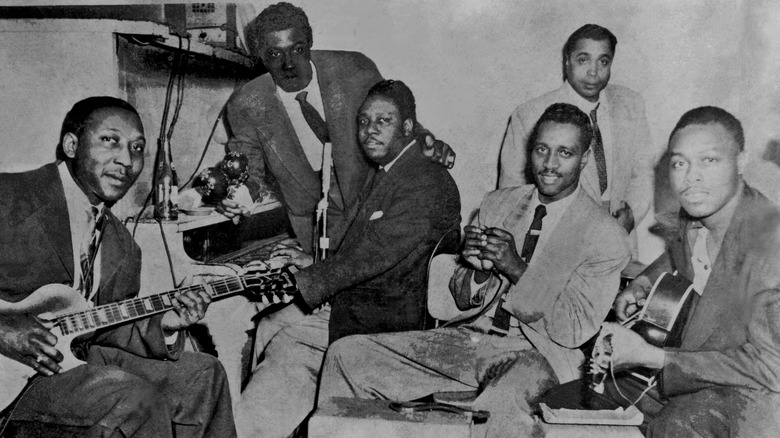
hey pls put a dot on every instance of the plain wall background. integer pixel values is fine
(470, 63)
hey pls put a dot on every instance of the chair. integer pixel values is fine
(440, 305)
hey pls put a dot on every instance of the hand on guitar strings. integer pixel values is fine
(24, 338)
(629, 350)
(631, 299)
(189, 307)
(495, 249)
(292, 251)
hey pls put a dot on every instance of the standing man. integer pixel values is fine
(57, 228)
(619, 174)
(543, 267)
(281, 121)
(376, 282)
(724, 379)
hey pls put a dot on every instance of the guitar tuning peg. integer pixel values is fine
(276, 299)
(264, 300)
(286, 298)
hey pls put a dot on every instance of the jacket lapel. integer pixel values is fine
(51, 212)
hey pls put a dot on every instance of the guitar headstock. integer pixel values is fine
(274, 285)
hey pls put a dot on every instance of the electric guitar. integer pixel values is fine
(660, 322)
(67, 314)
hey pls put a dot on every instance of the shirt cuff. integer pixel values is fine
(171, 340)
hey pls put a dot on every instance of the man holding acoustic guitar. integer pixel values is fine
(61, 245)
(724, 379)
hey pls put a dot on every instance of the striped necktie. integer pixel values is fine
(89, 248)
(502, 316)
(598, 151)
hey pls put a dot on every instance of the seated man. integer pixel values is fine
(535, 310)
(56, 228)
(724, 379)
(375, 282)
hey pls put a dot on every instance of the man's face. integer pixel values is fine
(287, 55)
(381, 131)
(704, 168)
(557, 158)
(109, 155)
(588, 67)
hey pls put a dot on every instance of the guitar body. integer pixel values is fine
(48, 302)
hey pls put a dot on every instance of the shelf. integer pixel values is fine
(186, 222)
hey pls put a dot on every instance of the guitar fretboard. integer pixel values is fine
(136, 308)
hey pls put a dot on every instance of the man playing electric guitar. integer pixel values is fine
(724, 379)
(56, 228)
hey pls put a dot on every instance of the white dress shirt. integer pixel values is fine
(312, 146)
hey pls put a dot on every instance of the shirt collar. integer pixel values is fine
(387, 166)
(75, 199)
(583, 104)
(557, 207)
(310, 88)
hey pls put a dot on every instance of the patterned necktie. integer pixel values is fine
(89, 247)
(598, 151)
(502, 316)
(313, 118)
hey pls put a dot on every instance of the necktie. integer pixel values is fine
(598, 151)
(502, 316)
(313, 118)
(89, 249)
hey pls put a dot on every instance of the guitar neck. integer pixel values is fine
(136, 308)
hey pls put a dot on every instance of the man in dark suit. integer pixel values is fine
(376, 282)
(532, 307)
(56, 227)
(622, 146)
(724, 379)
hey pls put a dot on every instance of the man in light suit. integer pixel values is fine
(376, 282)
(533, 308)
(724, 379)
(137, 380)
(627, 157)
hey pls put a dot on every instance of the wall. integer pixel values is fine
(471, 62)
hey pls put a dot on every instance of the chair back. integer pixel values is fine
(441, 265)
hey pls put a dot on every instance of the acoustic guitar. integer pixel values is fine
(660, 322)
(67, 314)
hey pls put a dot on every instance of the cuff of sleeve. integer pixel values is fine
(171, 340)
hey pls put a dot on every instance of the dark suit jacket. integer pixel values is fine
(261, 129)
(732, 337)
(377, 281)
(36, 250)
(570, 284)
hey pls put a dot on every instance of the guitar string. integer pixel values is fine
(112, 312)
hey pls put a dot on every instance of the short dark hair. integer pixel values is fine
(704, 115)
(279, 16)
(81, 113)
(588, 31)
(400, 94)
(564, 113)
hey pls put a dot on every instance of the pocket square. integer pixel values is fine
(376, 215)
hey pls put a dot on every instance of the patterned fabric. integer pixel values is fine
(89, 249)
(313, 118)
(502, 317)
(598, 152)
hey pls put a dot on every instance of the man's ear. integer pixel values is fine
(742, 162)
(584, 159)
(70, 144)
(408, 127)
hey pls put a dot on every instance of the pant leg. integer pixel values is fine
(106, 400)
(409, 365)
(719, 412)
(195, 387)
(282, 389)
(270, 325)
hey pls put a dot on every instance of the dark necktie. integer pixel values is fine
(89, 249)
(502, 316)
(313, 118)
(598, 151)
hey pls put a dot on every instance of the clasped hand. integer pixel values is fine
(493, 248)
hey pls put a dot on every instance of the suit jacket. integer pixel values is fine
(732, 337)
(631, 176)
(570, 284)
(377, 281)
(36, 250)
(260, 128)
